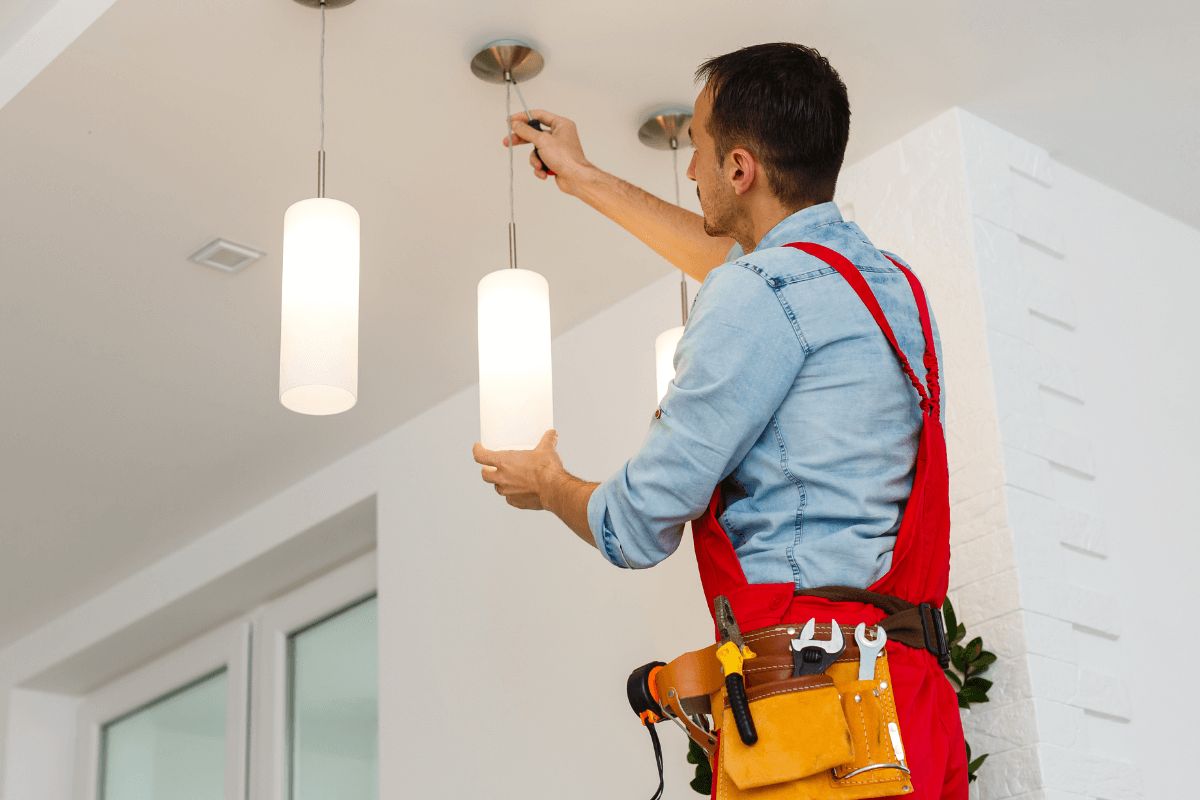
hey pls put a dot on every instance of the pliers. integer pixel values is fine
(732, 653)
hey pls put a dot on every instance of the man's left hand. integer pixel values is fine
(521, 476)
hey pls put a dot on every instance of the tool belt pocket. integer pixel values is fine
(802, 731)
(877, 767)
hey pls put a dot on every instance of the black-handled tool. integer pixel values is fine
(735, 686)
(812, 656)
(533, 123)
(732, 653)
(537, 126)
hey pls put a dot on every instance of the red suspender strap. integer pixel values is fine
(931, 362)
(859, 284)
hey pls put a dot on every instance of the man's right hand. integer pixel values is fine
(675, 233)
(558, 146)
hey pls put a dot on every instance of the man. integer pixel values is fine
(789, 436)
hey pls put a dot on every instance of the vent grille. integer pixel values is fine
(225, 255)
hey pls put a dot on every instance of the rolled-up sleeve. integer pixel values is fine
(737, 360)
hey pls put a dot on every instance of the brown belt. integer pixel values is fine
(698, 673)
(689, 683)
(919, 626)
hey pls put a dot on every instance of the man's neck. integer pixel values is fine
(762, 221)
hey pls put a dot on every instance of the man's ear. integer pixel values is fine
(742, 169)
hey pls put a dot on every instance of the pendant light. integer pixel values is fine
(516, 398)
(667, 130)
(318, 343)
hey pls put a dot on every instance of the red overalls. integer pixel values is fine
(926, 703)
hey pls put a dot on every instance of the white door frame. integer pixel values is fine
(227, 648)
(274, 623)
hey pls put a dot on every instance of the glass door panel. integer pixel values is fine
(172, 749)
(333, 708)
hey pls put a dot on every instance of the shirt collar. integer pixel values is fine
(794, 228)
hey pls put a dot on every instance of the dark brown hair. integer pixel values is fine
(785, 104)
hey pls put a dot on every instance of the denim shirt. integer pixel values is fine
(786, 394)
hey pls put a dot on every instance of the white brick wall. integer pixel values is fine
(1068, 588)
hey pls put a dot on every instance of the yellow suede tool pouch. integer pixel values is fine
(802, 731)
(820, 737)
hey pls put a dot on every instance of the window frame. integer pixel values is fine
(322, 598)
(227, 648)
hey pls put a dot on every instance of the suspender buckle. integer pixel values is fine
(935, 639)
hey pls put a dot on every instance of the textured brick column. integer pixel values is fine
(1053, 494)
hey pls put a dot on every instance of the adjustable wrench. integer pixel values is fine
(812, 656)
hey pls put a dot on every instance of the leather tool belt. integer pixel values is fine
(826, 735)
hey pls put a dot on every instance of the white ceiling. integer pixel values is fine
(139, 391)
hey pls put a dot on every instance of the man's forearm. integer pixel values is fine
(567, 497)
(674, 233)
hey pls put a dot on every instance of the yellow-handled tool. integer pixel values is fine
(732, 653)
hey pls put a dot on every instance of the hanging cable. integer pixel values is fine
(683, 292)
(321, 150)
(675, 167)
(322, 75)
(512, 213)
(658, 760)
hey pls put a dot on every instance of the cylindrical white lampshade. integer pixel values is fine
(664, 358)
(318, 345)
(516, 395)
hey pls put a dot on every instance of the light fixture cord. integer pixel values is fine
(683, 292)
(510, 83)
(321, 150)
(675, 167)
(512, 214)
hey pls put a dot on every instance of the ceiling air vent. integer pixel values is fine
(225, 256)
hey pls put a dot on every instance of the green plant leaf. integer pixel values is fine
(982, 684)
(958, 657)
(973, 767)
(952, 676)
(974, 648)
(971, 694)
(949, 617)
(702, 783)
(963, 702)
(985, 660)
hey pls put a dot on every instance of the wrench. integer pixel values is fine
(812, 656)
(868, 650)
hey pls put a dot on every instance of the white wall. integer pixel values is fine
(1089, 294)
(528, 633)
(1137, 363)
(41, 743)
